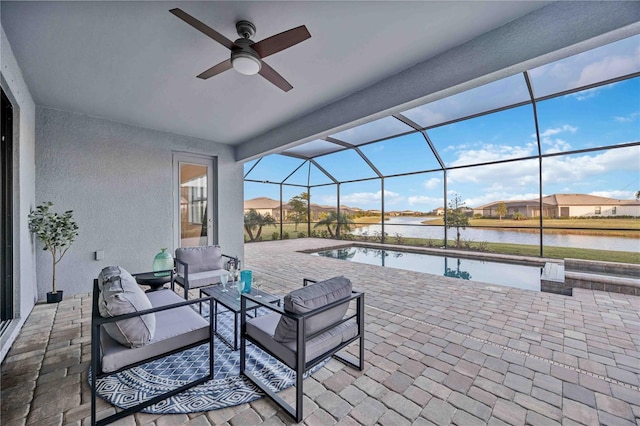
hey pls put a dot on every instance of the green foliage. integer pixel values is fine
(56, 232)
(399, 238)
(502, 210)
(299, 205)
(457, 217)
(275, 235)
(254, 221)
(519, 216)
(331, 220)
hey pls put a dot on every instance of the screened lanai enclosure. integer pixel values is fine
(544, 163)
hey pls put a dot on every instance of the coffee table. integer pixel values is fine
(228, 300)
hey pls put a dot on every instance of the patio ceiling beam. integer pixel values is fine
(416, 126)
(322, 169)
(360, 153)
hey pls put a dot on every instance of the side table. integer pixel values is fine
(154, 281)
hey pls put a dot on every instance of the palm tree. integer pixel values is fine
(331, 221)
(254, 220)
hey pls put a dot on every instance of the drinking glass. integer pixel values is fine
(224, 278)
(239, 287)
(256, 284)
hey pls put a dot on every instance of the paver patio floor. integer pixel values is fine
(438, 350)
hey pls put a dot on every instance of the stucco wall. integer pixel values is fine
(605, 210)
(118, 180)
(24, 189)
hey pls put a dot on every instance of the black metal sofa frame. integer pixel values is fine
(301, 340)
(97, 322)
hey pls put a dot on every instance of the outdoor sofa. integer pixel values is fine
(130, 328)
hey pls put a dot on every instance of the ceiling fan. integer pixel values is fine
(246, 55)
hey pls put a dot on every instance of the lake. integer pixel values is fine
(406, 227)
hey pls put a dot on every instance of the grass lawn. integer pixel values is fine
(572, 226)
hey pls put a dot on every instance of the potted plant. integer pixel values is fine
(57, 232)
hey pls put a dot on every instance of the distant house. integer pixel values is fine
(439, 211)
(564, 205)
(265, 205)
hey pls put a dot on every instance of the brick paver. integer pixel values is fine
(438, 351)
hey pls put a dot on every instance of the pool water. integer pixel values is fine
(507, 274)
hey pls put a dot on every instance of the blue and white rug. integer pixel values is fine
(228, 387)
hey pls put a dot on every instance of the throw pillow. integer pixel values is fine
(308, 298)
(120, 294)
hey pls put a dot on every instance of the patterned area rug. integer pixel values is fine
(228, 387)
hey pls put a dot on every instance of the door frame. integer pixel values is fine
(7, 287)
(212, 192)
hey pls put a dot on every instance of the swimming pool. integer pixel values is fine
(507, 274)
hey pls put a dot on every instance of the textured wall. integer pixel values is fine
(118, 180)
(24, 188)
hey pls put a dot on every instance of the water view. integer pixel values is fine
(406, 227)
(507, 274)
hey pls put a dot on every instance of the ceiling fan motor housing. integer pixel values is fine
(244, 54)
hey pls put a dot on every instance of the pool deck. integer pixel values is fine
(439, 351)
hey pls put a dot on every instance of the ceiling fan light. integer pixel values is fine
(246, 64)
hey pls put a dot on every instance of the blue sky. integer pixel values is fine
(603, 116)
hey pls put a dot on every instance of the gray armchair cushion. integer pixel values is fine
(202, 279)
(176, 328)
(262, 329)
(120, 294)
(199, 259)
(308, 298)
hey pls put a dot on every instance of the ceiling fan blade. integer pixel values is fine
(272, 75)
(278, 42)
(204, 28)
(216, 69)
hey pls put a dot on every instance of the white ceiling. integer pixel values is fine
(136, 63)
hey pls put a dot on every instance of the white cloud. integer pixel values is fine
(585, 94)
(423, 202)
(618, 195)
(627, 118)
(584, 168)
(555, 130)
(554, 145)
(429, 116)
(432, 183)
(489, 152)
(608, 67)
(359, 199)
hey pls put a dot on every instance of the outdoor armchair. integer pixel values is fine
(130, 328)
(314, 324)
(198, 267)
